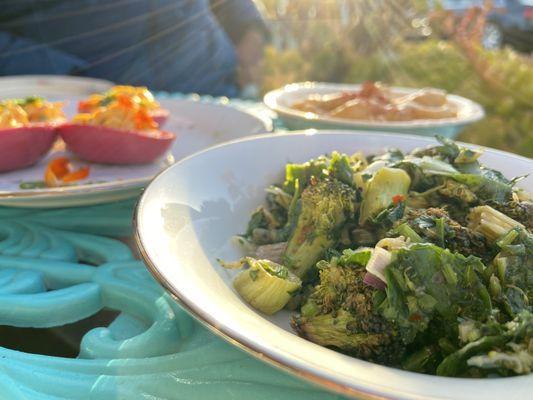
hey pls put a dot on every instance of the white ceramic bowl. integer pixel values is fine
(281, 100)
(185, 220)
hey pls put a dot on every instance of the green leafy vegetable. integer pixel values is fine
(447, 286)
(505, 349)
(427, 283)
(485, 187)
(434, 225)
(32, 185)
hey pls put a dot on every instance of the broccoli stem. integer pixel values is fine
(491, 223)
(406, 231)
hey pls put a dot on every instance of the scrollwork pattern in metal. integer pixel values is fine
(58, 267)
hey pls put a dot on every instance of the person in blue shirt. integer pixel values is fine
(173, 45)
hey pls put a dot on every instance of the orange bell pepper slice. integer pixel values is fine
(125, 101)
(60, 170)
(143, 120)
(86, 105)
(77, 175)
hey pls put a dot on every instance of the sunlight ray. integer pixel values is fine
(166, 54)
(148, 40)
(94, 32)
(81, 11)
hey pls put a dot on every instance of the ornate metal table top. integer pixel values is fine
(58, 267)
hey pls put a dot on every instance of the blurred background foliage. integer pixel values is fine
(405, 43)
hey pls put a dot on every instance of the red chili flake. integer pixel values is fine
(313, 181)
(397, 199)
(415, 318)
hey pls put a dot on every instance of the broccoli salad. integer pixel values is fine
(420, 261)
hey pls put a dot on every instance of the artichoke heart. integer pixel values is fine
(266, 285)
(381, 189)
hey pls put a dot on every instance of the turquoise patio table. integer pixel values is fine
(60, 268)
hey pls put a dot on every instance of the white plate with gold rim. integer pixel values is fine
(188, 214)
(196, 124)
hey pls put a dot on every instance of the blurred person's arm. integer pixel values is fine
(246, 28)
(20, 56)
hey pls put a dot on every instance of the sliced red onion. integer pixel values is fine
(372, 280)
(379, 260)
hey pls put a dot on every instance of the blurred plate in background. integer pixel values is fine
(50, 86)
(281, 101)
(197, 125)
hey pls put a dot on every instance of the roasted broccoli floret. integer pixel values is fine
(337, 166)
(324, 208)
(265, 285)
(340, 313)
